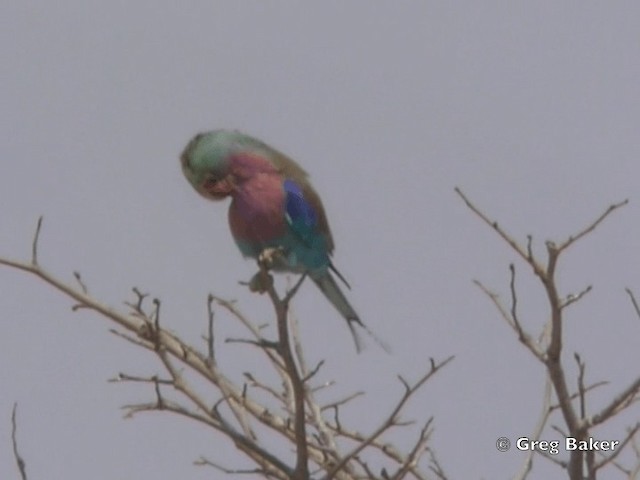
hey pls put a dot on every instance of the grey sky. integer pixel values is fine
(532, 109)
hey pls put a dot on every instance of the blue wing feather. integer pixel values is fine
(300, 215)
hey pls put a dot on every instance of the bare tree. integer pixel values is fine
(263, 419)
(547, 348)
(257, 417)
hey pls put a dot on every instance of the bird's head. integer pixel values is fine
(206, 164)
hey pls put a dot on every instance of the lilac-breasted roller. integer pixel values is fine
(273, 206)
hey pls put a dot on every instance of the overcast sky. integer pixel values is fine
(532, 108)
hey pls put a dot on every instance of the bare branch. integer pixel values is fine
(574, 298)
(269, 347)
(289, 295)
(322, 386)
(619, 403)
(255, 451)
(524, 338)
(156, 323)
(263, 386)
(392, 419)
(236, 410)
(527, 255)
(581, 389)
(416, 452)
(263, 344)
(164, 341)
(342, 401)
(633, 301)
(168, 406)
(301, 471)
(435, 466)
(578, 424)
(135, 341)
(313, 372)
(572, 239)
(546, 455)
(210, 338)
(34, 245)
(387, 449)
(628, 438)
(22, 468)
(202, 461)
(514, 300)
(124, 377)
(537, 431)
(575, 395)
(137, 307)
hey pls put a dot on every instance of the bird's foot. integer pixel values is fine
(269, 257)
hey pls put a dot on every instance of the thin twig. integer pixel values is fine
(22, 468)
(575, 395)
(202, 461)
(619, 448)
(574, 238)
(34, 245)
(124, 377)
(289, 295)
(527, 255)
(524, 338)
(341, 402)
(137, 307)
(537, 431)
(435, 466)
(83, 286)
(619, 403)
(134, 340)
(581, 389)
(633, 301)
(315, 370)
(574, 298)
(210, 339)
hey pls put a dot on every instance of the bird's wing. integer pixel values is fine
(300, 215)
(304, 212)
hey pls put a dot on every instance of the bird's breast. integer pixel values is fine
(256, 214)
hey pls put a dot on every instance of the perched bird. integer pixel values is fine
(273, 206)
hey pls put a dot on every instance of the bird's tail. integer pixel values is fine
(327, 284)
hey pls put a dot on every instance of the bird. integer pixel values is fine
(273, 207)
